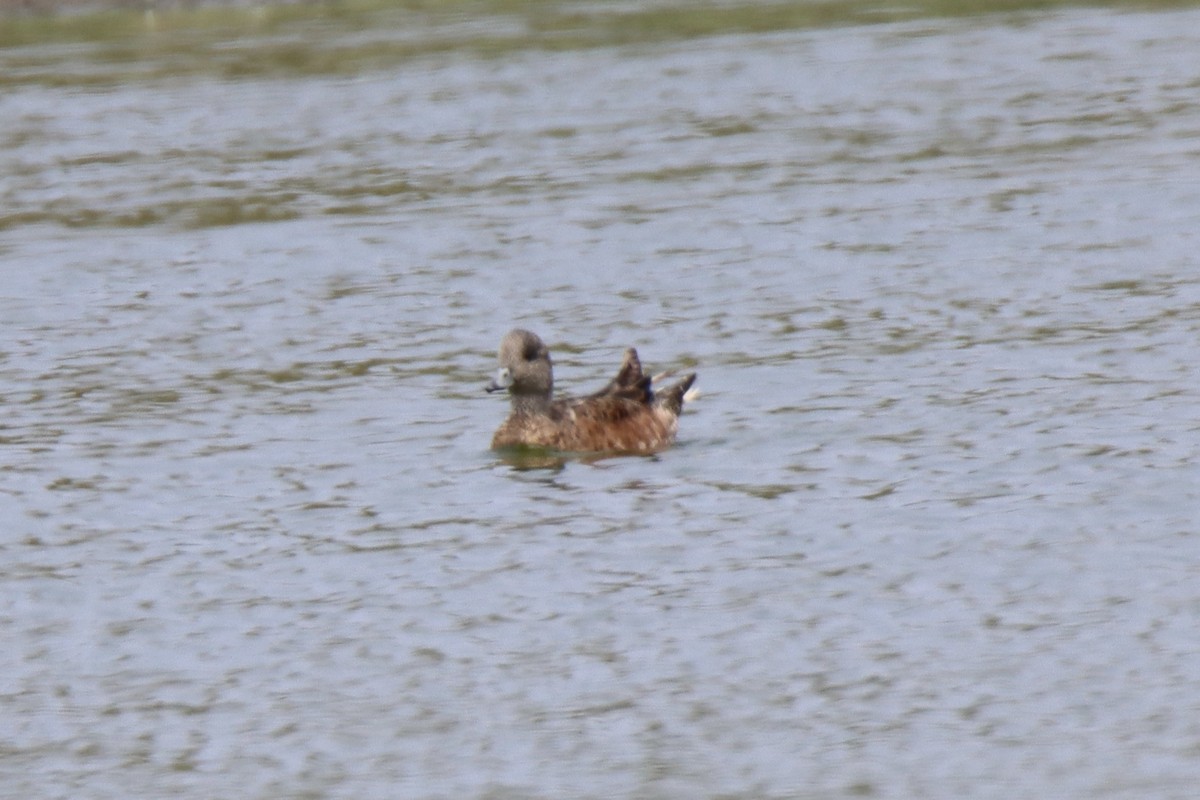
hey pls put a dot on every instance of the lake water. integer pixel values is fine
(932, 528)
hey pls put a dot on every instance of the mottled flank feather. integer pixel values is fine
(626, 416)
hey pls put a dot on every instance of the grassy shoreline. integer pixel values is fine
(680, 17)
(319, 36)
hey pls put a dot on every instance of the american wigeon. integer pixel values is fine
(626, 416)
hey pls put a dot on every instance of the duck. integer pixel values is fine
(626, 416)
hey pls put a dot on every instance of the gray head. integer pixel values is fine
(524, 367)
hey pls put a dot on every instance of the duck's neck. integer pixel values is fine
(530, 403)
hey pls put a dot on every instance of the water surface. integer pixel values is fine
(930, 530)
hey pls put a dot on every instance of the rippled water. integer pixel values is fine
(930, 530)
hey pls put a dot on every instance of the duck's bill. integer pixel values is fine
(499, 383)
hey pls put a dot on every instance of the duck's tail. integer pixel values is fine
(673, 397)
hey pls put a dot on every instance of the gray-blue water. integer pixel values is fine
(931, 530)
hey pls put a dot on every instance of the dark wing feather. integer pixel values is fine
(629, 383)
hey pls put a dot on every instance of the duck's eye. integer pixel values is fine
(531, 352)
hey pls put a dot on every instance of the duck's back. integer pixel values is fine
(612, 422)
